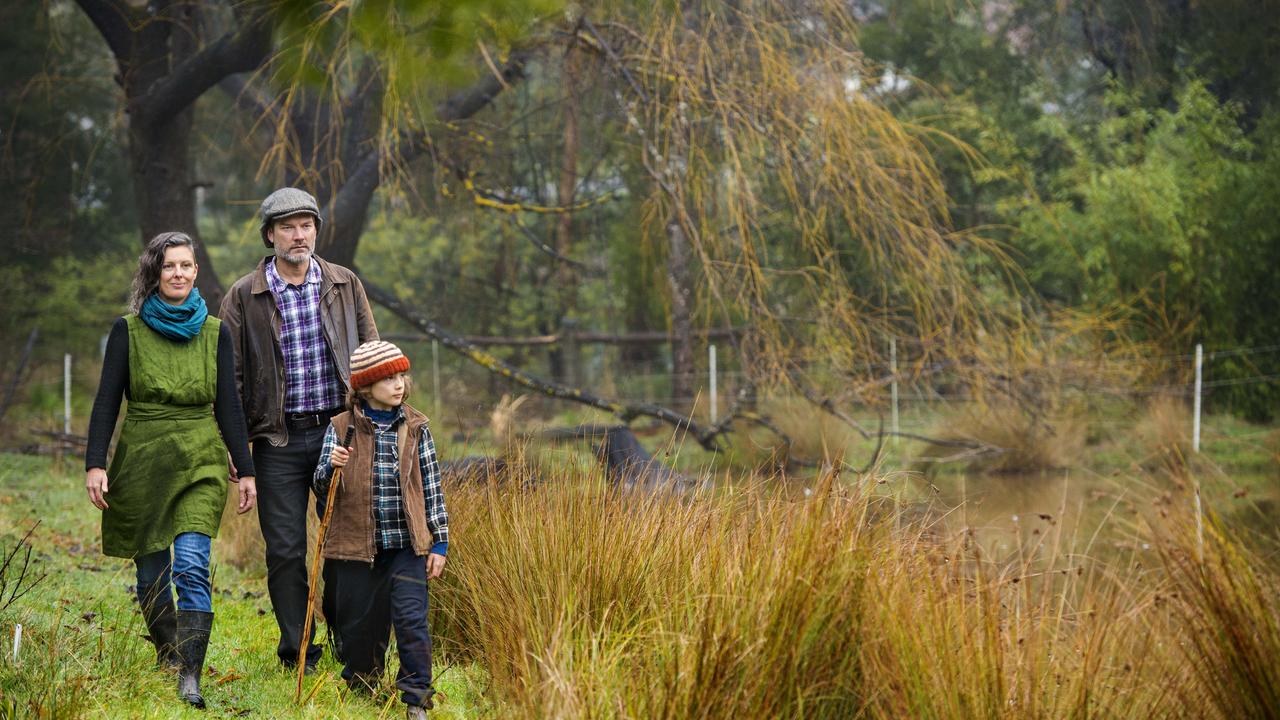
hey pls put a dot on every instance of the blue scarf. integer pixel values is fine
(176, 322)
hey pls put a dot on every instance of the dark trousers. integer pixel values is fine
(284, 488)
(370, 600)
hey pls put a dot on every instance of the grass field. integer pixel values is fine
(1086, 591)
(83, 654)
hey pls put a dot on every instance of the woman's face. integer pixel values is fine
(177, 274)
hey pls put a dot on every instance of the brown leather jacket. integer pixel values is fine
(352, 528)
(249, 311)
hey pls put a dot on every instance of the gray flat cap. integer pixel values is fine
(285, 202)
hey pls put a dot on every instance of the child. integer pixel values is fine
(389, 511)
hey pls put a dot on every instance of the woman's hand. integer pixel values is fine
(248, 494)
(435, 566)
(339, 456)
(95, 482)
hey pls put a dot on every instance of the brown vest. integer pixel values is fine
(352, 528)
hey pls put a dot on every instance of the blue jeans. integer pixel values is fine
(188, 569)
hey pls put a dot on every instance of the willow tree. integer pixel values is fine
(810, 211)
(779, 190)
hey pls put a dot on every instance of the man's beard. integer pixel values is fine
(296, 256)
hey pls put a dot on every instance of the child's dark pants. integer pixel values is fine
(369, 601)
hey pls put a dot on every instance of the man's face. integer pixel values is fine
(294, 238)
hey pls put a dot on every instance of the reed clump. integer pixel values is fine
(1226, 604)
(581, 601)
(1163, 434)
(1012, 438)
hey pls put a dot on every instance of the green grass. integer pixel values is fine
(1074, 592)
(83, 655)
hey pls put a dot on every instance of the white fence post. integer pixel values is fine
(66, 394)
(893, 385)
(1195, 426)
(711, 352)
(17, 640)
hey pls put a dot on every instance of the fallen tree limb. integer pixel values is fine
(627, 464)
(829, 406)
(704, 435)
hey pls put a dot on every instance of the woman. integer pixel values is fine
(168, 477)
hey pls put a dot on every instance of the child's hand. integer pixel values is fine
(435, 566)
(339, 456)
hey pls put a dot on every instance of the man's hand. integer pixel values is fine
(339, 456)
(95, 482)
(248, 494)
(435, 566)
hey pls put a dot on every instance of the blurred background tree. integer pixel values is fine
(977, 170)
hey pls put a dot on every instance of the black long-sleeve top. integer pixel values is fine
(115, 384)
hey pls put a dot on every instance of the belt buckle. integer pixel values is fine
(308, 420)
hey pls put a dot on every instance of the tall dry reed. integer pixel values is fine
(1226, 605)
(584, 602)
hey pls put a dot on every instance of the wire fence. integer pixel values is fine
(458, 390)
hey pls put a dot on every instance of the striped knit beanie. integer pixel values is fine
(374, 361)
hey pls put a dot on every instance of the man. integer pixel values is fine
(296, 320)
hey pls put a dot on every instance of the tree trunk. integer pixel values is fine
(164, 67)
(160, 165)
(565, 287)
(680, 284)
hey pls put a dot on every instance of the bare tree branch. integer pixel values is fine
(829, 406)
(249, 98)
(239, 50)
(349, 207)
(113, 19)
(705, 436)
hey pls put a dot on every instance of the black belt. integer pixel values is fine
(302, 421)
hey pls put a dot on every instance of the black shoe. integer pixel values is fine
(291, 666)
(193, 644)
(162, 624)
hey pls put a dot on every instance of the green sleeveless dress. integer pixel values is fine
(169, 472)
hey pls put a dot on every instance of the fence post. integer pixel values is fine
(17, 640)
(893, 385)
(66, 395)
(711, 352)
(435, 379)
(1195, 426)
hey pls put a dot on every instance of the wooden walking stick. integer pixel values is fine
(315, 565)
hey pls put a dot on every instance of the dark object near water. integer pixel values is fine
(627, 464)
(630, 466)
(473, 468)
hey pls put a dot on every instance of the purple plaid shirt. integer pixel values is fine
(310, 379)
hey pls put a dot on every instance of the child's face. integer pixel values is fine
(387, 393)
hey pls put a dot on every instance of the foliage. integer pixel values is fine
(1158, 212)
(972, 178)
(61, 165)
(16, 576)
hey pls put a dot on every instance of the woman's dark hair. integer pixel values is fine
(147, 277)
